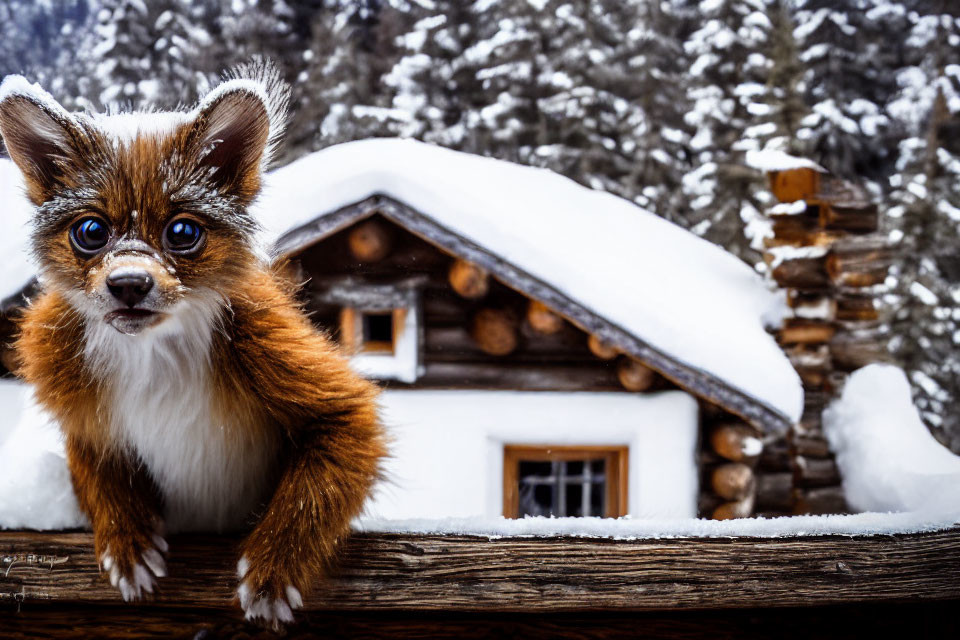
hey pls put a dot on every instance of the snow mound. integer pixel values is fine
(17, 212)
(681, 294)
(35, 489)
(772, 160)
(887, 457)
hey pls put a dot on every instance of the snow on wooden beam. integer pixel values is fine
(736, 442)
(405, 572)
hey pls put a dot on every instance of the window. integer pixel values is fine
(378, 330)
(371, 330)
(564, 481)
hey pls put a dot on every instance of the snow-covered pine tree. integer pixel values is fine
(653, 62)
(279, 30)
(847, 48)
(146, 54)
(925, 213)
(38, 39)
(433, 83)
(590, 90)
(342, 95)
(728, 71)
(778, 104)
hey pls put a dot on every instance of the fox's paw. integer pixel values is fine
(134, 567)
(266, 599)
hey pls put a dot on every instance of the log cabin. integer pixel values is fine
(549, 350)
(546, 349)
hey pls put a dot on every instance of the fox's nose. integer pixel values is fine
(129, 287)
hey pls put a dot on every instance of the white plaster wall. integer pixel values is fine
(447, 449)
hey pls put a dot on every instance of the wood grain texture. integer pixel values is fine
(401, 572)
(912, 620)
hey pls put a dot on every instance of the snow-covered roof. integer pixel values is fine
(680, 295)
(683, 301)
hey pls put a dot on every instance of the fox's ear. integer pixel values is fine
(230, 136)
(40, 136)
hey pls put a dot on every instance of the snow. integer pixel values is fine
(35, 491)
(787, 252)
(892, 468)
(14, 85)
(685, 296)
(773, 160)
(887, 457)
(447, 447)
(789, 208)
(860, 524)
(18, 265)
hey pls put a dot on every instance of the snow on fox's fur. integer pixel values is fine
(193, 392)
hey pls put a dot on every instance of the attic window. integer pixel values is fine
(379, 327)
(564, 481)
(365, 331)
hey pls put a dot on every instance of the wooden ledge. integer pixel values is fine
(431, 573)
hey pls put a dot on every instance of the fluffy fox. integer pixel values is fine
(193, 392)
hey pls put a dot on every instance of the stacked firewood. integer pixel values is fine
(826, 253)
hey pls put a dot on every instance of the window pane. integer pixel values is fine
(561, 488)
(598, 500)
(539, 469)
(378, 327)
(575, 499)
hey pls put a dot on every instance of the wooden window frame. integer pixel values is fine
(351, 330)
(616, 469)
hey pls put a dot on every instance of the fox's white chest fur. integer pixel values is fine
(211, 473)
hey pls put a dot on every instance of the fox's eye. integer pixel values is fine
(90, 234)
(182, 235)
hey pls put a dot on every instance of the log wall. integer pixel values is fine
(474, 336)
(827, 255)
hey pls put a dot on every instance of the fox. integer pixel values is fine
(191, 388)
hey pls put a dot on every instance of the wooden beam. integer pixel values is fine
(801, 183)
(733, 481)
(601, 349)
(469, 280)
(634, 375)
(841, 622)
(736, 442)
(391, 572)
(369, 241)
(494, 331)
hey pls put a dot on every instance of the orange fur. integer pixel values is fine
(273, 378)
